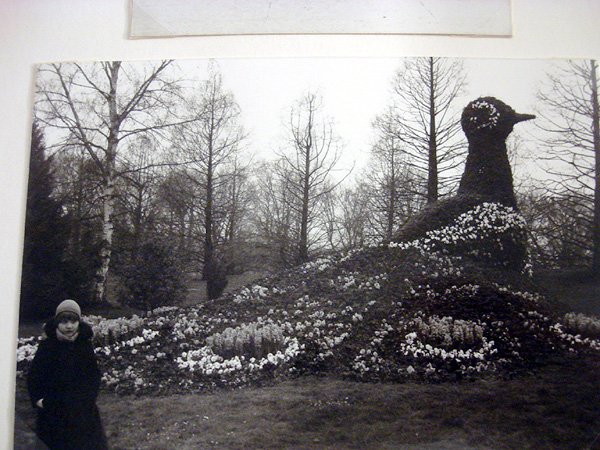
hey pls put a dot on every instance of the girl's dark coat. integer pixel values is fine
(67, 377)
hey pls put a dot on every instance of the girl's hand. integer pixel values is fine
(40, 403)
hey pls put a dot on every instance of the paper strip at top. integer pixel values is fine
(169, 18)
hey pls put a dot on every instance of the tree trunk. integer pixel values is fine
(432, 179)
(303, 244)
(391, 216)
(108, 189)
(596, 136)
(208, 218)
(106, 241)
(137, 225)
(232, 224)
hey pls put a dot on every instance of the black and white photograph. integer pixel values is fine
(250, 241)
(312, 253)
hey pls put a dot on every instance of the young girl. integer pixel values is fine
(63, 384)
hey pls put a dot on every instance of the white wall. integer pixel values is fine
(33, 31)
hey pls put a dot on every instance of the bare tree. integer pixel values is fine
(422, 117)
(139, 183)
(313, 153)
(394, 193)
(559, 235)
(352, 217)
(234, 204)
(177, 204)
(571, 113)
(274, 219)
(96, 107)
(209, 146)
(79, 186)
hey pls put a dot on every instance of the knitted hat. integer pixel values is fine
(68, 306)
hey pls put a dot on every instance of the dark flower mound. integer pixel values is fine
(435, 308)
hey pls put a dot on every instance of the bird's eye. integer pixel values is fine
(485, 115)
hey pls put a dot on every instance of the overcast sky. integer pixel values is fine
(354, 90)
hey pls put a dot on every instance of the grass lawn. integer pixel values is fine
(556, 408)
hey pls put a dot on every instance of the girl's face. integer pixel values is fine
(68, 324)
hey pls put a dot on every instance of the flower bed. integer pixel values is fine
(415, 310)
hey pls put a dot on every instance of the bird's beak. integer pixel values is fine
(523, 117)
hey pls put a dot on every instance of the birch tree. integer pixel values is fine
(98, 106)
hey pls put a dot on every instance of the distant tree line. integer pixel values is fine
(564, 211)
(149, 178)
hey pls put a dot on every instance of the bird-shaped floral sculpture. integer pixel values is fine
(481, 220)
(487, 122)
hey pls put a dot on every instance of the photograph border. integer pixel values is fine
(61, 30)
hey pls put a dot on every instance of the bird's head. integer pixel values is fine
(490, 117)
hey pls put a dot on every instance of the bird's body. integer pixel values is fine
(487, 177)
(488, 174)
